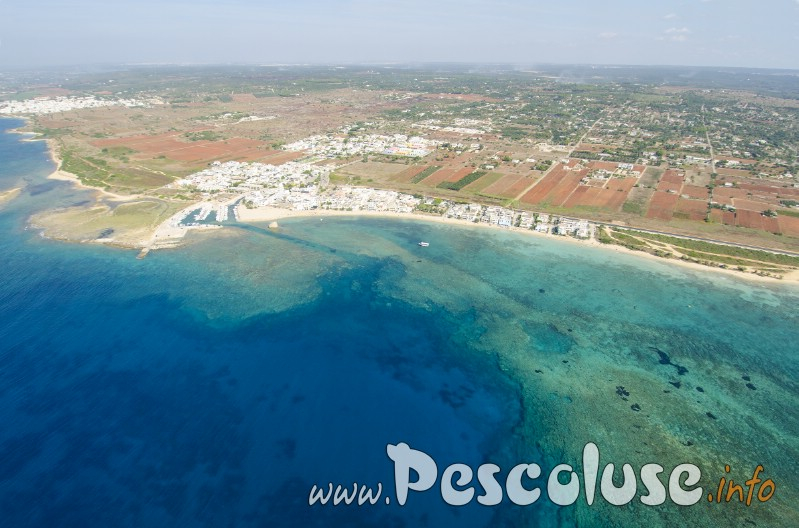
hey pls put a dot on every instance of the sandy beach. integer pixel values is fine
(166, 236)
(275, 214)
(60, 174)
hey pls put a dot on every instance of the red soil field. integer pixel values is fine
(789, 225)
(767, 189)
(695, 191)
(439, 176)
(625, 184)
(752, 205)
(728, 192)
(242, 149)
(717, 215)
(661, 206)
(610, 199)
(593, 197)
(729, 218)
(460, 174)
(565, 187)
(508, 185)
(755, 220)
(582, 195)
(544, 186)
(672, 176)
(695, 209)
(410, 173)
(747, 218)
(771, 225)
(521, 183)
(676, 188)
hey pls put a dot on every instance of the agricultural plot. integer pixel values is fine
(425, 173)
(651, 177)
(377, 170)
(168, 146)
(507, 186)
(624, 185)
(438, 176)
(637, 200)
(462, 182)
(751, 205)
(482, 185)
(755, 220)
(662, 205)
(555, 187)
(789, 225)
(409, 174)
(695, 192)
(691, 209)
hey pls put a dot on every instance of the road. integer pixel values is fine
(700, 239)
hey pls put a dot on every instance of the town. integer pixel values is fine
(298, 186)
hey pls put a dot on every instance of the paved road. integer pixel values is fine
(700, 239)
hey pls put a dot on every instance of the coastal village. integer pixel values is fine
(47, 105)
(304, 186)
(520, 160)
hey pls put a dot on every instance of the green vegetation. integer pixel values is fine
(205, 135)
(632, 208)
(425, 173)
(721, 249)
(514, 133)
(463, 182)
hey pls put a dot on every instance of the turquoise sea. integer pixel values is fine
(215, 384)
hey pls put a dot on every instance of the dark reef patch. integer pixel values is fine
(664, 359)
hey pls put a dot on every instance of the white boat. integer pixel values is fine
(424, 244)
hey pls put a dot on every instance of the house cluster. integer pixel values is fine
(348, 198)
(240, 178)
(331, 147)
(467, 127)
(572, 227)
(47, 105)
(503, 217)
(304, 187)
(343, 198)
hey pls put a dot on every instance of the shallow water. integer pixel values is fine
(216, 383)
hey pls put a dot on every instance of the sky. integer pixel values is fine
(745, 33)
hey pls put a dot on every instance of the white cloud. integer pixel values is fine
(608, 35)
(676, 34)
(671, 16)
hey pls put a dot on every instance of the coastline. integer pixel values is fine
(169, 236)
(62, 175)
(273, 214)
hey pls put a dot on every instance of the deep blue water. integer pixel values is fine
(214, 384)
(124, 405)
